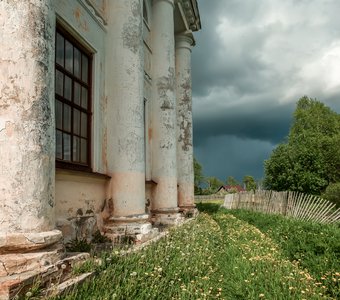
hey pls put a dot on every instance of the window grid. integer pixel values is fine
(73, 103)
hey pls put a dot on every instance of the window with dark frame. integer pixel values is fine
(72, 103)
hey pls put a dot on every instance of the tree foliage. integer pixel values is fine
(332, 193)
(214, 184)
(232, 181)
(310, 158)
(198, 177)
(249, 182)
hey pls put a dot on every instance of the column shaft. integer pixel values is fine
(164, 107)
(185, 170)
(125, 110)
(27, 139)
(27, 132)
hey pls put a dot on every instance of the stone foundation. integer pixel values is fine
(25, 242)
(136, 228)
(17, 263)
(81, 227)
(189, 211)
(46, 276)
(167, 217)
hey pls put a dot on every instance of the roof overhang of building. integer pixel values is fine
(187, 17)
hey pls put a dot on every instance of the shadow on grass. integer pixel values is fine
(210, 208)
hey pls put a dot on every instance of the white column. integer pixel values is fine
(125, 111)
(185, 171)
(164, 171)
(27, 132)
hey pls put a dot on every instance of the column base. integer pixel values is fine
(130, 229)
(167, 217)
(28, 241)
(47, 277)
(22, 252)
(17, 263)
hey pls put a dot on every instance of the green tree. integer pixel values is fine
(249, 182)
(332, 193)
(232, 181)
(310, 158)
(198, 177)
(214, 184)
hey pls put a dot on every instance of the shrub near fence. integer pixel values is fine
(291, 204)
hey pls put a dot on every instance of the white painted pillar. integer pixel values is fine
(185, 170)
(27, 131)
(125, 110)
(164, 171)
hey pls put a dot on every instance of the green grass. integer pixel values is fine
(313, 246)
(218, 256)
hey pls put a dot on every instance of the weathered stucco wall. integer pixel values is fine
(81, 203)
(80, 197)
(133, 122)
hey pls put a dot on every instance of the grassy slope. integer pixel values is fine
(315, 247)
(216, 256)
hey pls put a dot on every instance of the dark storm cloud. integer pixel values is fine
(228, 155)
(268, 123)
(215, 64)
(253, 60)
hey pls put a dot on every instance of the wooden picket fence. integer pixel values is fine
(208, 198)
(291, 204)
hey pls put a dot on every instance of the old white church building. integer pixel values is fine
(95, 121)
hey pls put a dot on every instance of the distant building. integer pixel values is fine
(230, 189)
(95, 121)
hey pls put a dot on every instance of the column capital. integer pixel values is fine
(171, 2)
(184, 41)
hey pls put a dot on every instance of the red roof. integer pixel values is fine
(232, 187)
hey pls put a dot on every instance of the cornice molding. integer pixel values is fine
(191, 12)
(98, 13)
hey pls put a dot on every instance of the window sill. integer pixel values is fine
(81, 173)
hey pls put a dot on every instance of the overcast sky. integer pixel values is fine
(253, 60)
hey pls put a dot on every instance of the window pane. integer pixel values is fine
(67, 117)
(72, 101)
(59, 114)
(59, 145)
(68, 56)
(76, 121)
(83, 125)
(59, 83)
(76, 96)
(83, 157)
(60, 50)
(68, 88)
(67, 146)
(84, 70)
(76, 149)
(77, 58)
(83, 97)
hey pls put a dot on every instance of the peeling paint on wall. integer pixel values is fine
(82, 23)
(132, 30)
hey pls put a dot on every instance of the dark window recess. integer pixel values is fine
(145, 12)
(72, 103)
